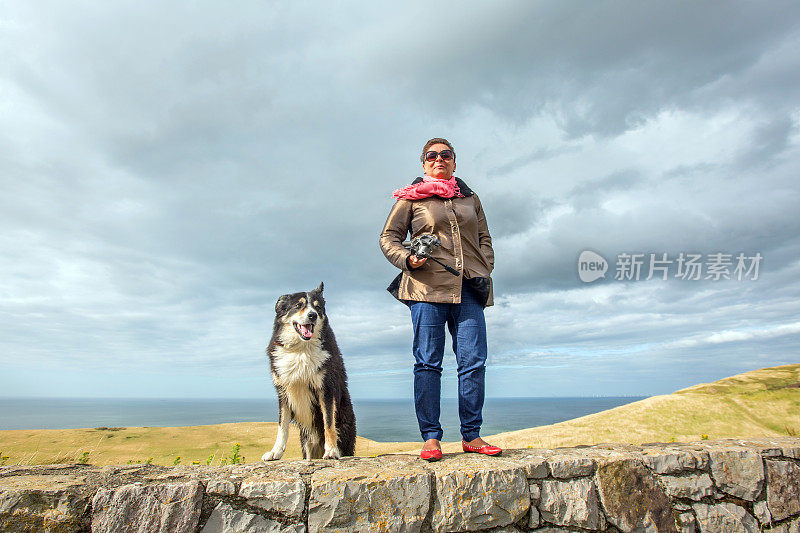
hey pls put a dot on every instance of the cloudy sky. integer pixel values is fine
(169, 169)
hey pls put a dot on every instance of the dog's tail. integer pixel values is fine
(347, 428)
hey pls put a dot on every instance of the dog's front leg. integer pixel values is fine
(284, 417)
(331, 434)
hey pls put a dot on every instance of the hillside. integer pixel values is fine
(761, 403)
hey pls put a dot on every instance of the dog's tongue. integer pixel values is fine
(304, 331)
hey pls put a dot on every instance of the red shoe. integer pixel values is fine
(486, 449)
(431, 455)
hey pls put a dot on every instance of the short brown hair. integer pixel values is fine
(436, 140)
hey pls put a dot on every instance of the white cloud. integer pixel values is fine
(738, 335)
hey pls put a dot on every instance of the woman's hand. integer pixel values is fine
(416, 262)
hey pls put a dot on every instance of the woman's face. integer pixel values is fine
(439, 168)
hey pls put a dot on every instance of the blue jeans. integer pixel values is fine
(467, 328)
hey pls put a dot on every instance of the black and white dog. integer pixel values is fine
(309, 376)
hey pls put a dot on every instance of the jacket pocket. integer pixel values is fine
(482, 287)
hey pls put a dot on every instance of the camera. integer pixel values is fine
(423, 245)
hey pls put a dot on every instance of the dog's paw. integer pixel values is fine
(272, 455)
(332, 453)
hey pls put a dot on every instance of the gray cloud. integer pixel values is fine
(172, 170)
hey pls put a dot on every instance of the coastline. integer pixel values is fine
(758, 404)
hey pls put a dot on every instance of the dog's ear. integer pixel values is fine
(319, 289)
(281, 301)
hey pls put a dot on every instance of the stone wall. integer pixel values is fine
(725, 486)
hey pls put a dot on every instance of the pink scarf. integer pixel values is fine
(428, 187)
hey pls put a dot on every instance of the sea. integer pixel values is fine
(380, 420)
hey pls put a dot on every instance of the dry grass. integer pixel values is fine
(761, 403)
(160, 444)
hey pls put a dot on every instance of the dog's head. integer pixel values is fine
(300, 316)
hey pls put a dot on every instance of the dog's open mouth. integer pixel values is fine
(305, 330)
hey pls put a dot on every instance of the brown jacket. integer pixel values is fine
(466, 245)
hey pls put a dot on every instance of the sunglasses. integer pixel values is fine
(447, 155)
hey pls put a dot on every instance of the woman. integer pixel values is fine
(443, 205)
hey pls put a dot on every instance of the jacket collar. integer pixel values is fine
(465, 190)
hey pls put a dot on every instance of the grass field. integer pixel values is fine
(760, 403)
(160, 445)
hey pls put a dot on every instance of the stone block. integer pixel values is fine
(633, 498)
(565, 466)
(278, 486)
(226, 519)
(738, 472)
(783, 488)
(792, 451)
(535, 464)
(31, 503)
(570, 503)
(533, 519)
(389, 493)
(771, 452)
(223, 487)
(693, 486)
(286, 496)
(478, 492)
(686, 523)
(536, 492)
(703, 459)
(673, 461)
(761, 512)
(723, 517)
(147, 508)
